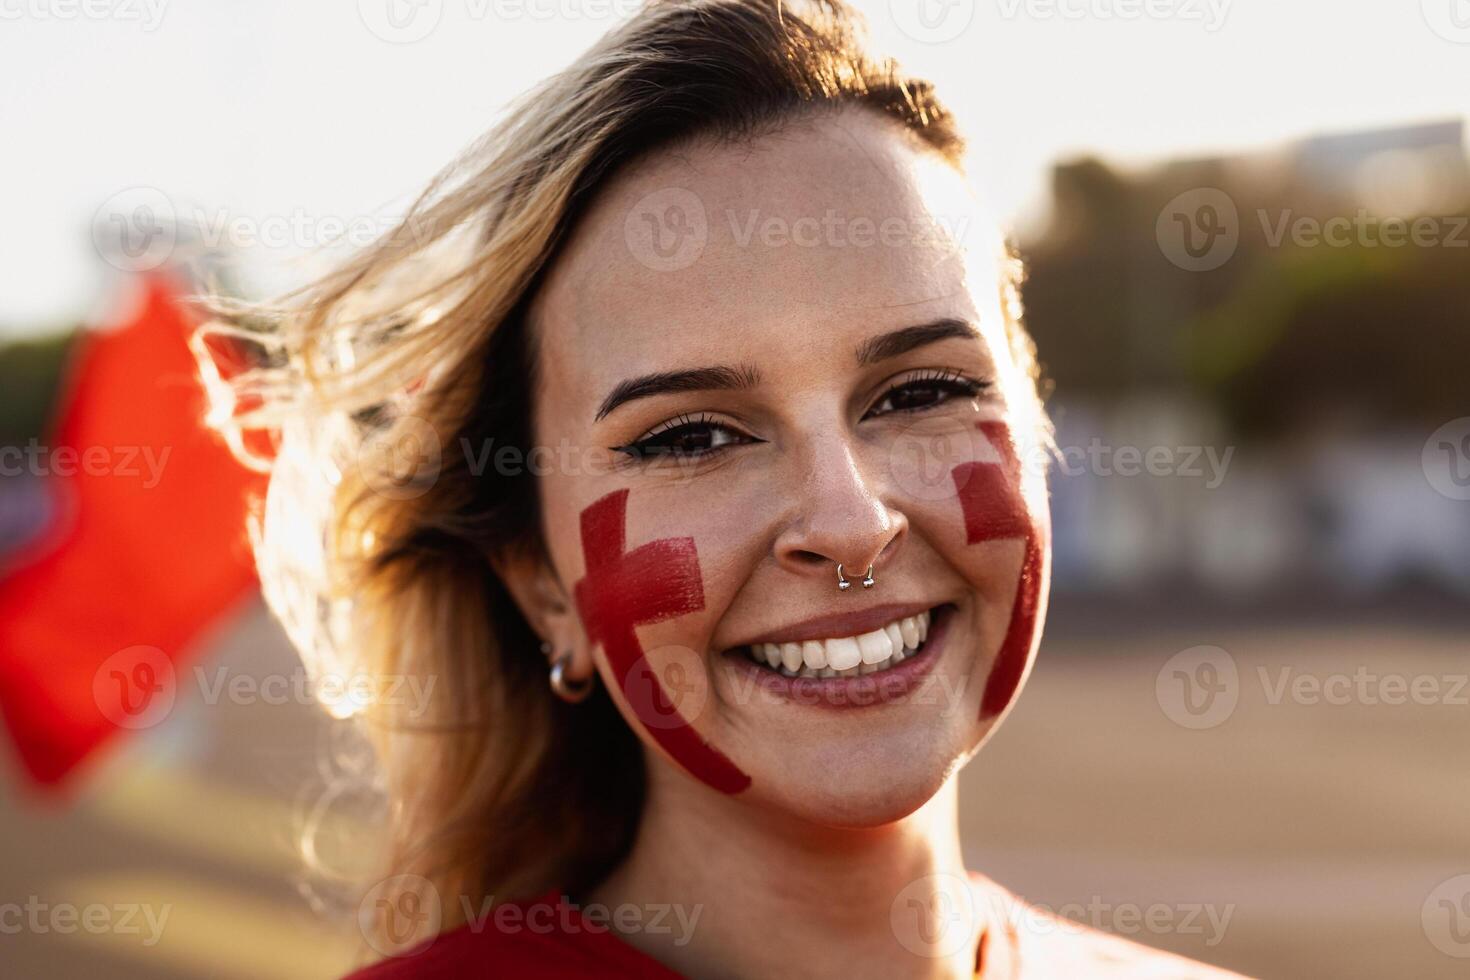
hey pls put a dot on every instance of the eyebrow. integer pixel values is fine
(902, 341)
(664, 382)
(722, 378)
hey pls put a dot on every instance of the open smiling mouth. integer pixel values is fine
(873, 652)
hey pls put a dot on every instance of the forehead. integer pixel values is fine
(808, 239)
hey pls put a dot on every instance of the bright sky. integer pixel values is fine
(287, 115)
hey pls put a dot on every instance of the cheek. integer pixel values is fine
(993, 502)
(622, 590)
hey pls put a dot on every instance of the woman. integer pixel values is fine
(685, 442)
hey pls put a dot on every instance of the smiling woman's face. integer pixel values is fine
(803, 369)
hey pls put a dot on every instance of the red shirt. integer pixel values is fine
(553, 940)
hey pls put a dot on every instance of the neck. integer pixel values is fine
(764, 893)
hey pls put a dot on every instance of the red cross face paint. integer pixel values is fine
(993, 501)
(623, 590)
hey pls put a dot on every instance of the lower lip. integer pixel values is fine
(864, 691)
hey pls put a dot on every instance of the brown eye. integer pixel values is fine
(915, 396)
(685, 437)
(926, 392)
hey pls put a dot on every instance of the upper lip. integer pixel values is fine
(840, 624)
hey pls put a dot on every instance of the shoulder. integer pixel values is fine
(1043, 945)
(546, 938)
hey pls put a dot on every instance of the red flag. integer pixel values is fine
(148, 547)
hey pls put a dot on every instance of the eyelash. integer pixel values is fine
(952, 383)
(646, 445)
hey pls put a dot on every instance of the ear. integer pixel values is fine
(541, 597)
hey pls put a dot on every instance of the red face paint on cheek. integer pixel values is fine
(625, 589)
(995, 509)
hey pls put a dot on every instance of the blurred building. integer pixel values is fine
(1313, 371)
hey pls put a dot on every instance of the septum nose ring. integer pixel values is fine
(843, 584)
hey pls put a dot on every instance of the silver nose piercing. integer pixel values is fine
(844, 584)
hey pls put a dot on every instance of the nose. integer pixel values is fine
(840, 516)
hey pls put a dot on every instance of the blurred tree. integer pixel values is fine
(30, 373)
(1280, 333)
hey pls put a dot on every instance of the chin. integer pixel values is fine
(865, 786)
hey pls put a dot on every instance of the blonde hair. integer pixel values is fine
(418, 345)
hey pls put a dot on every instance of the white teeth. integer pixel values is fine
(875, 647)
(843, 653)
(846, 656)
(791, 656)
(909, 627)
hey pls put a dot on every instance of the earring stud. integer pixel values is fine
(565, 688)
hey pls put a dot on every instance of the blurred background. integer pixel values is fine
(1249, 282)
